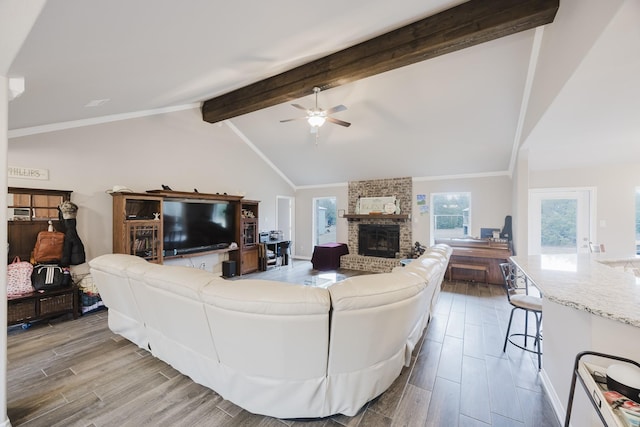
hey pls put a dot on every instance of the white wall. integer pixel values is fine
(490, 202)
(177, 149)
(490, 197)
(615, 200)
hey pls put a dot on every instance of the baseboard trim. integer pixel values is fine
(556, 403)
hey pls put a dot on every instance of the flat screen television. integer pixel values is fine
(197, 226)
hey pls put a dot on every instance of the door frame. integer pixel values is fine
(292, 217)
(588, 194)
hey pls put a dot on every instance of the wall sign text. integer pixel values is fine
(28, 173)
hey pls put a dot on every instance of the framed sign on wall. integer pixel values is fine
(375, 204)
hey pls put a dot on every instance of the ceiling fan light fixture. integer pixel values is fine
(316, 120)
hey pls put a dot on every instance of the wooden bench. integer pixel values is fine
(475, 267)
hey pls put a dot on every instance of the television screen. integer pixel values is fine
(193, 226)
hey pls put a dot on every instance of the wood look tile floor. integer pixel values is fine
(77, 373)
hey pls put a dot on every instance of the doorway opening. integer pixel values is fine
(561, 220)
(324, 220)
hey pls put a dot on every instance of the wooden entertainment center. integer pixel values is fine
(138, 226)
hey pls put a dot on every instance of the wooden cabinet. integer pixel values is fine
(249, 236)
(29, 210)
(137, 228)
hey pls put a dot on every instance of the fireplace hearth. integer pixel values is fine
(378, 240)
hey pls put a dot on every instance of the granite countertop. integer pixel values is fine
(585, 282)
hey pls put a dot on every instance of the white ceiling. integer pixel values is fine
(459, 114)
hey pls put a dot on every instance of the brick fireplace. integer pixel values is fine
(402, 189)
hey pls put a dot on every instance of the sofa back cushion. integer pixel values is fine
(427, 268)
(171, 305)
(372, 318)
(110, 274)
(269, 329)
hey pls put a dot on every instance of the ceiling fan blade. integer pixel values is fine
(290, 120)
(338, 122)
(300, 107)
(336, 109)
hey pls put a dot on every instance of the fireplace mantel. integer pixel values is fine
(391, 217)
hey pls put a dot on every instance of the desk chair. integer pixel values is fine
(526, 303)
(285, 252)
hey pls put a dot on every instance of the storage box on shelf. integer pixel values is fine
(42, 305)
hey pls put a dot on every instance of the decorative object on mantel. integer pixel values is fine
(376, 205)
(358, 206)
(397, 211)
(390, 208)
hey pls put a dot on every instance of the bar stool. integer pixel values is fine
(527, 303)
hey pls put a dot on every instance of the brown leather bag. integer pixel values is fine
(49, 246)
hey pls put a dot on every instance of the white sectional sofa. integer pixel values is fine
(275, 348)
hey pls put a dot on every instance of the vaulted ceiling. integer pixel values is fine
(567, 92)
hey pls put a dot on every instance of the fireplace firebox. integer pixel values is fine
(378, 240)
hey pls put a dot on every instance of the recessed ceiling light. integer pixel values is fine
(97, 102)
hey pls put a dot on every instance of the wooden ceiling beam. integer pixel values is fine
(466, 25)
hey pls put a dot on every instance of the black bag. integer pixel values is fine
(49, 276)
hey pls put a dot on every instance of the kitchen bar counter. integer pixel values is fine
(590, 303)
(586, 283)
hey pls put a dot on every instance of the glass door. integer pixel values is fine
(324, 220)
(560, 221)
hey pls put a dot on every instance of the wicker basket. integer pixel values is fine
(55, 304)
(21, 311)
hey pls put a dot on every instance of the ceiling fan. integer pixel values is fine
(316, 116)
